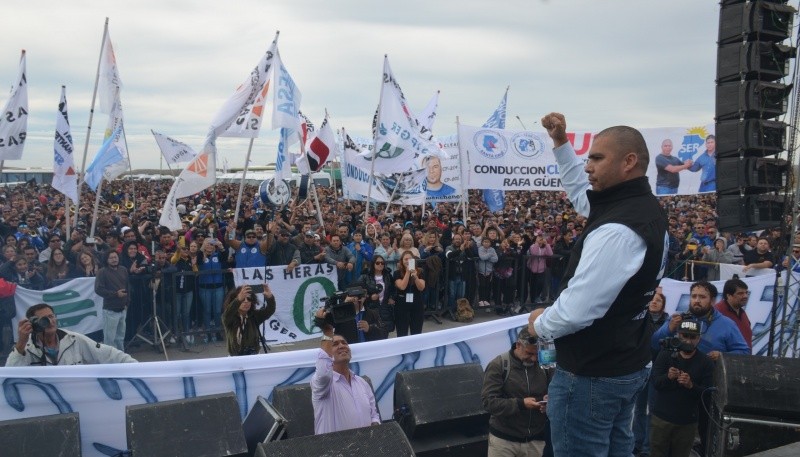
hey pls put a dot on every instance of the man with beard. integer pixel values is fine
(515, 394)
(734, 298)
(282, 252)
(679, 378)
(718, 334)
(342, 400)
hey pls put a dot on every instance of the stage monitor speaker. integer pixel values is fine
(750, 138)
(437, 400)
(262, 424)
(59, 434)
(754, 396)
(754, 20)
(208, 426)
(751, 175)
(384, 440)
(748, 213)
(294, 404)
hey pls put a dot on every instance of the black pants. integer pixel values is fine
(409, 316)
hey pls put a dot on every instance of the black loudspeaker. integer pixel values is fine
(756, 405)
(294, 404)
(59, 434)
(441, 399)
(208, 426)
(262, 424)
(384, 440)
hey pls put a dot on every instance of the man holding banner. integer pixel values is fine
(597, 321)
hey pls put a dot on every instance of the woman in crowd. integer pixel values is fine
(140, 306)
(718, 254)
(58, 269)
(86, 267)
(507, 258)
(186, 260)
(379, 275)
(388, 250)
(409, 306)
(241, 319)
(407, 244)
(487, 258)
(210, 285)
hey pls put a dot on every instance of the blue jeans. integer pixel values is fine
(665, 190)
(456, 289)
(641, 418)
(592, 416)
(212, 305)
(183, 309)
(114, 328)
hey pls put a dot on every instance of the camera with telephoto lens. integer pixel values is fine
(152, 215)
(671, 343)
(340, 309)
(373, 289)
(687, 316)
(40, 324)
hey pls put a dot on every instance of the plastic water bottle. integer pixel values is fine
(547, 353)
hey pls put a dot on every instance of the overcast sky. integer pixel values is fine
(644, 63)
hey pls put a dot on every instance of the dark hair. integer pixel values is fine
(628, 139)
(663, 299)
(705, 285)
(731, 285)
(371, 269)
(32, 310)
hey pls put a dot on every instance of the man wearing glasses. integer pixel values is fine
(52, 243)
(51, 345)
(250, 252)
(679, 378)
(283, 253)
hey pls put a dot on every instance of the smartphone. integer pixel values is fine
(412, 264)
(257, 288)
(542, 402)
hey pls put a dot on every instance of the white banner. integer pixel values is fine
(14, 117)
(65, 180)
(100, 393)
(298, 293)
(75, 303)
(444, 175)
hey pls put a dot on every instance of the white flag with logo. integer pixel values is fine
(401, 142)
(14, 118)
(238, 108)
(198, 175)
(428, 115)
(65, 180)
(110, 82)
(174, 151)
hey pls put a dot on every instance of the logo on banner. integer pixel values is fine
(199, 165)
(692, 143)
(490, 144)
(314, 291)
(527, 145)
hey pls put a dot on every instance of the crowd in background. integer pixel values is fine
(500, 261)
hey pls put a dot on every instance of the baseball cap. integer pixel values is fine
(310, 233)
(689, 328)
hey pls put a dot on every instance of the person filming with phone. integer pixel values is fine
(241, 319)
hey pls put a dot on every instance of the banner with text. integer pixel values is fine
(298, 293)
(75, 303)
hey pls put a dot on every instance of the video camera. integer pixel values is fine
(671, 344)
(373, 289)
(340, 309)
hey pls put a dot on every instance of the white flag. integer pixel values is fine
(286, 100)
(322, 147)
(249, 121)
(116, 128)
(238, 108)
(65, 180)
(174, 151)
(110, 82)
(14, 118)
(401, 143)
(198, 175)
(428, 115)
(357, 179)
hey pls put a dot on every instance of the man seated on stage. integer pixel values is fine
(342, 400)
(53, 346)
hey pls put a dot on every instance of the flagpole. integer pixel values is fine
(91, 108)
(241, 183)
(66, 213)
(130, 168)
(96, 207)
(375, 143)
(464, 192)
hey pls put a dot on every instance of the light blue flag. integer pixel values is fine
(107, 155)
(495, 198)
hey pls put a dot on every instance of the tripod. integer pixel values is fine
(158, 334)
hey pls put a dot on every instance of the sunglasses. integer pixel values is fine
(378, 263)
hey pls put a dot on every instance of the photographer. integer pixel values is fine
(681, 374)
(241, 319)
(364, 325)
(53, 346)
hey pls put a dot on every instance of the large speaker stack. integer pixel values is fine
(440, 410)
(756, 405)
(752, 62)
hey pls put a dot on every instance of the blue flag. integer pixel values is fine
(495, 198)
(108, 155)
